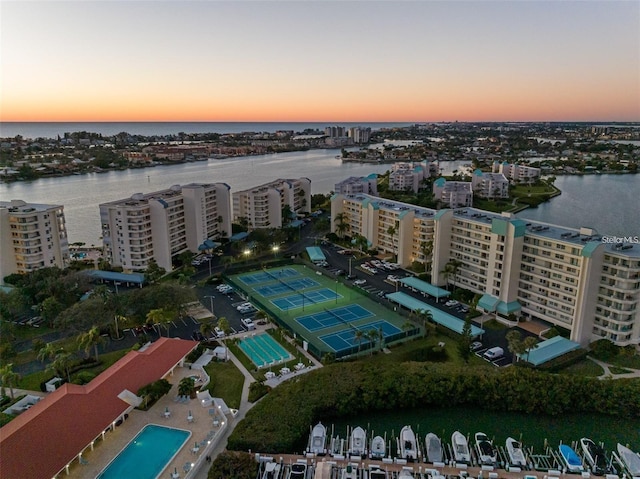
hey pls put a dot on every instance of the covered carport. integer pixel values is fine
(424, 287)
(315, 254)
(440, 317)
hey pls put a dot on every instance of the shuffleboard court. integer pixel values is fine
(346, 339)
(308, 297)
(284, 286)
(333, 317)
(263, 276)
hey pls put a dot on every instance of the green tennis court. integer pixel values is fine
(323, 312)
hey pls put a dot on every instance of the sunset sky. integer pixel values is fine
(320, 60)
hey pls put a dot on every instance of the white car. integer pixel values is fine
(359, 282)
(248, 323)
(219, 332)
(244, 306)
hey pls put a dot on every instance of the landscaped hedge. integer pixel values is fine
(281, 421)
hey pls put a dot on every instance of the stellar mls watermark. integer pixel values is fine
(621, 239)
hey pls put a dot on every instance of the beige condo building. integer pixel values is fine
(163, 224)
(573, 278)
(261, 206)
(32, 236)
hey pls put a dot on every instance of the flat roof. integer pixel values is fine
(41, 441)
(549, 349)
(137, 278)
(444, 319)
(425, 287)
(315, 253)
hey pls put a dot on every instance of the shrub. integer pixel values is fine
(257, 390)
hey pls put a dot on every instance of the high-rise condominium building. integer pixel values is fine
(573, 278)
(489, 185)
(163, 224)
(32, 236)
(262, 206)
(358, 184)
(516, 173)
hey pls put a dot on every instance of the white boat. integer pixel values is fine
(349, 472)
(571, 459)
(407, 444)
(460, 448)
(271, 470)
(630, 459)
(404, 474)
(378, 448)
(358, 442)
(317, 439)
(376, 473)
(595, 456)
(433, 448)
(516, 454)
(298, 470)
(486, 452)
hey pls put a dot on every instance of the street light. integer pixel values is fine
(275, 248)
(211, 299)
(116, 284)
(247, 252)
(210, 258)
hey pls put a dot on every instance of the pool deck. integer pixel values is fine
(116, 440)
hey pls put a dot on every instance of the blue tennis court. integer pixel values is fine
(308, 297)
(345, 339)
(264, 276)
(332, 317)
(292, 285)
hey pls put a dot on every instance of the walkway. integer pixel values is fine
(635, 373)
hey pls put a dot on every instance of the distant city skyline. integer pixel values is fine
(314, 61)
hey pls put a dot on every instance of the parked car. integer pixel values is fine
(219, 332)
(493, 353)
(359, 282)
(248, 323)
(475, 346)
(351, 276)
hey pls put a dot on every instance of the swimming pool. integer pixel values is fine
(147, 454)
(263, 350)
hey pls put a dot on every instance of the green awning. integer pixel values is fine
(488, 303)
(508, 308)
(424, 287)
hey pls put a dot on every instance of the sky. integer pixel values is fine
(413, 61)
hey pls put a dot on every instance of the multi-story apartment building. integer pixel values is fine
(516, 173)
(163, 224)
(489, 185)
(32, 236)
(262, 206)
(455, 194)
(355, 184)
(409, 175)
(359, 134)
(566, 277)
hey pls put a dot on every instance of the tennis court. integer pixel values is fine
(319, 309)
(333, 317)
(263, 276)
(345, 340)
(284, 286)
(263, 350)
(308, 297)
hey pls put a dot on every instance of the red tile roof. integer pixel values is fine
(44, 439)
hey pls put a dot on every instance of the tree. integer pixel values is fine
(90, 339)
(234, 465)
(161, 317)
(392, 230)
(529, 343)
(406, 327)
(61, 364)
(372, 336)
(154, 272)
(358, 336)
(341, 224)
(187, 387)
(514, 343)
(464, 342)
(425, 318)
(47, 352)
(9, 377)
(427, 250)
(206, 329)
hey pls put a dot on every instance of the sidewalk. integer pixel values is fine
(609, 375)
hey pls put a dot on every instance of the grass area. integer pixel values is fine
(525, 190)
(226, 382)
(492, 205)
(28, 332)
(494, 325)
(585, 367)
(625, 361)
(32, 381)
(619, 370)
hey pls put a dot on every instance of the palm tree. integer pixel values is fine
(48, 352)
(341, 224)
(407, 326)
(9, 377)
(514, 343)
(358, 335)
(529, 343)
(372, 336)
(90, 339)
(392, 230)
(61, 364)
(425, 317)
(160, 316)
(206, 329)
(427, 250)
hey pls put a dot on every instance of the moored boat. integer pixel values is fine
(571, 459)
(407, 444)
(433, 448)
(358, 442)
(271, 470)
(377, 449)
(317, 439)
(297, 470)
(630, 459)
(375, 472)
(595, 456)
(349, 472)
(515, 452)
(486, 452)
(460, 448)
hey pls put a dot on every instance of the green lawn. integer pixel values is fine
(226, 382)
(586, 367)
(524, 190)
